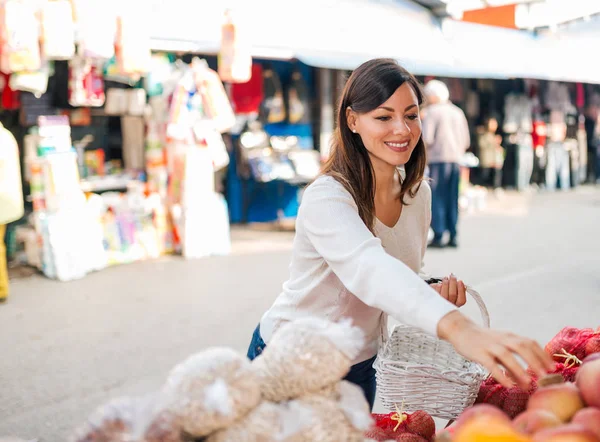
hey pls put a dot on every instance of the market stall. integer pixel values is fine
(120, 146)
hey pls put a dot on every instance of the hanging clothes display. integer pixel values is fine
(247, 97)
(215, 102)
(86, 85)
(58, 30)
(132, 46)
(273, 106)
(298, 100)
(20, 37)
(518, 123)
(11, 99)
(557, 98)
(97, 30)
(235, 60)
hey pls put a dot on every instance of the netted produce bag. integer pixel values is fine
(324, 421)
(211, 390)
(312, 418)
(164, 426)
(263, 424)
(418, 426)
(573, 342)
(351, 400)
(116, 421)
(132, 419)
(513, 401)
(306, 356)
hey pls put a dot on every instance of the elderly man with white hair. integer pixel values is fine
(446, 135)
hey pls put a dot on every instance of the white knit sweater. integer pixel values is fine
(340, 270)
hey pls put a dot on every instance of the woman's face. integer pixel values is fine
(391, 131)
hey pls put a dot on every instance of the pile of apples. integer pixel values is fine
(558, 412)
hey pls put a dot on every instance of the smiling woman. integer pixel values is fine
(378, 126)
(361, 235)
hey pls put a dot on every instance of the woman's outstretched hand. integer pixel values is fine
(497, 351)
(452, 289)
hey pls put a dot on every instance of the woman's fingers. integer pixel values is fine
(497, 373)
(462, 294)
(445, 289)
(506, 357)
(453, 289)
(531, 352)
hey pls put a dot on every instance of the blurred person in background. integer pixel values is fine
(446, 135)
(491, 155)
(11, 197)
(593, 143)
(361, 235)
(3, 265)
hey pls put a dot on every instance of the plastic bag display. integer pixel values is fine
(306, 356)
(35, 82)
(235, 60)
(215, 102)
(132, 46)
(58, 30)
(97, 30)
(86, 85)
(211, 390)
(20, 49)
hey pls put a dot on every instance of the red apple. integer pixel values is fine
(532, 421)
(482, 412)
(590, 419)
(588, 381)
(592, 357)
(562, 400)
(566, 433)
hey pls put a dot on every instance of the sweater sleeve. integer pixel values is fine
(330, 219)
(425, 191)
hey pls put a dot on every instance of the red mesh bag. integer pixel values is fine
(513, 401)
(593, 344)
(572, 341)
(417, 426)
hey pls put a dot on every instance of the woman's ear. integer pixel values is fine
(351, 118)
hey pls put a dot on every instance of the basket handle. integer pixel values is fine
(485, 315)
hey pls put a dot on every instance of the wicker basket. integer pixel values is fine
(417, 371)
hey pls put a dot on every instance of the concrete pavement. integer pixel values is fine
(68, 347)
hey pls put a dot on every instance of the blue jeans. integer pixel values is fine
(525, 166)
(445, 178)
(361, 374)
(557, 167)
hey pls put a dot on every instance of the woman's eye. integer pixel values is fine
(413, 117)
(383, 118)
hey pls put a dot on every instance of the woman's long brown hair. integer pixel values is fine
(369, 86)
